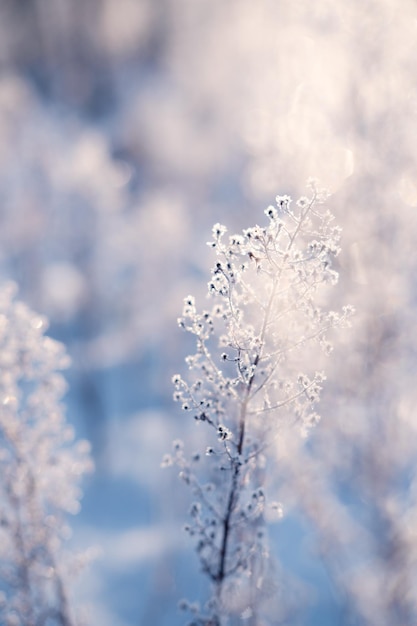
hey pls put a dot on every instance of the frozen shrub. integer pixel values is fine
(40, 470)
(251, 375)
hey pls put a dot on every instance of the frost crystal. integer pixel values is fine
(250, 374)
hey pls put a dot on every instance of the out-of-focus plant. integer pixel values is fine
(41, 468)
(251, 375)
(358, 487)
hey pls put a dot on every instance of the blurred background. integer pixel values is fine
(127, 128)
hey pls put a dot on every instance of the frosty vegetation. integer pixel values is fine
(251, 375)
(40, 472)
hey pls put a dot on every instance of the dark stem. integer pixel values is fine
(226, 524)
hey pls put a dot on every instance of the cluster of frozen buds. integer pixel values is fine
(40, 471)
(249, 375)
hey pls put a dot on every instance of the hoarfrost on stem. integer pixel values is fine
(251, 374)
(40, 470)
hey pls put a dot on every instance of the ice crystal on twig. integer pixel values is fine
(250, 374)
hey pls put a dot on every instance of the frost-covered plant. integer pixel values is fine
(40, 471)
(251, 375)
